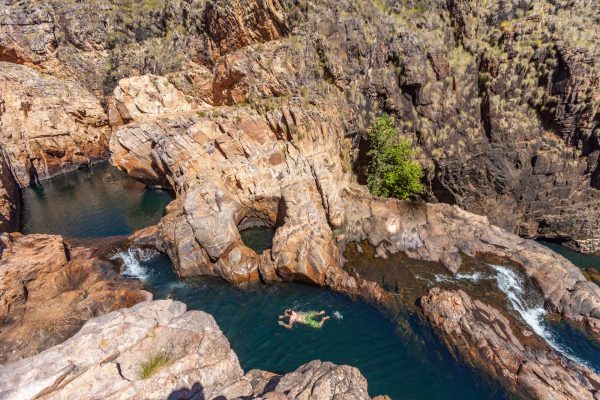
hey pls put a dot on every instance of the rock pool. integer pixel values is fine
(402, 359)
(91, 202)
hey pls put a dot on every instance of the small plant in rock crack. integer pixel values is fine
(155, 362)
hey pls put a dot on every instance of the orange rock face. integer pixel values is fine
(48, 291)
(48, 125)
(9, 197)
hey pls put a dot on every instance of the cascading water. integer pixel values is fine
(511, 284)
(132, 268)
(532, 312)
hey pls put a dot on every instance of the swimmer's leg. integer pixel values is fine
(321, 322)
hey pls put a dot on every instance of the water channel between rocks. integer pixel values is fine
(402, 359)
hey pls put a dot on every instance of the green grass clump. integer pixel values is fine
(392, 172)
(154, 364)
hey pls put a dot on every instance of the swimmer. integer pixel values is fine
(308, 318)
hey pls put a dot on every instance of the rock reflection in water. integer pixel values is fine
(92, 202)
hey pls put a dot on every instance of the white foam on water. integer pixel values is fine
(176, 285)
(474, 277)
(337, 315)
(144, 254)
(419, 277)
(511, 284)
(131, 263)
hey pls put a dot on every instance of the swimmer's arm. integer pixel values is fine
(291, 324)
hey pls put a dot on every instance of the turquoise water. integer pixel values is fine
(580, 259)
(405, 364)
(91, 202)
(584, 347)
(402, 359)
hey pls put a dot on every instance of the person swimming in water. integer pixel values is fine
(308, 318)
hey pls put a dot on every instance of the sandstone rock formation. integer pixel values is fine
(284, 169)
(48, 290)
(484, 337)
(48, 125)
(501, 102)
(9, 196)
(143, 96)
(317, 379)
(448, 234)
(235, 24)
(498, 99)
(110, 358)
(237, 170)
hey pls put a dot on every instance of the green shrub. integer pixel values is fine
(392, 172)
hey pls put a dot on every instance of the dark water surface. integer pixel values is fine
(402, 359)
(91, 202)
(258, 239)
(584, 347)
(580, 259)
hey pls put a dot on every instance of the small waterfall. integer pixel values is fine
(511, 284)
(132, 267)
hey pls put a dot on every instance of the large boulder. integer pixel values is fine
(315, 380)
(153, 350)
(48, 290)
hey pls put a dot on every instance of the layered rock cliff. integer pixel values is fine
(48, 125)
(502, 98)
(498, 98)
(10, 196)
